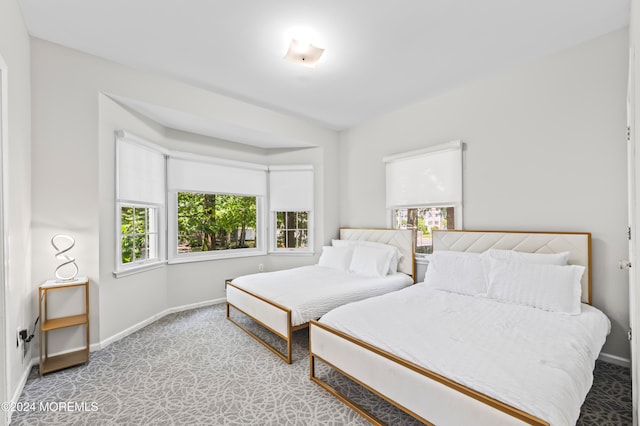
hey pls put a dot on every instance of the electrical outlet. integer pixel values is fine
(21, 336)
(260, 267)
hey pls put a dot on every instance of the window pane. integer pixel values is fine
(292, 230)
(302, 220)
(127, 249)
(138, 226)
(424, 220)
(302, 239)
(140, 220)
(126, 219)
(280, 216)
(208, 222)
(142, 252)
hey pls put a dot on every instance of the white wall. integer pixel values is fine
(14, 52)
(73, 124)
(545, 150)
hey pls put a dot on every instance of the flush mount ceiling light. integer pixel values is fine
(303, 53)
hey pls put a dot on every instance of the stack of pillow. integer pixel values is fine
(366, 258)
(541, 280)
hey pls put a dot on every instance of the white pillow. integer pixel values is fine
(546, 258)
(519, 256)
(553, 288)
(336, 257)
(456, 272)
(395, 259)
(370, 261)
(343, 243)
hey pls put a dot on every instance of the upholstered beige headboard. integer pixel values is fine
(401, 238)
(577, 243)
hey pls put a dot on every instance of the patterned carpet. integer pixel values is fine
(197, 368)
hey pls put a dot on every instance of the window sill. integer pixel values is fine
(137, 269)
(207, 256)
(291, 253)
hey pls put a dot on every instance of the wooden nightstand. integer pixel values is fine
(58, 362)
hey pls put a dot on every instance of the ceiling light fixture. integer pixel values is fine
(304, 53)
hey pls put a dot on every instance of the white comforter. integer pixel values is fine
(312, 291)
(537, 361)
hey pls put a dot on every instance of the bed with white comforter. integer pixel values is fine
(537, 361)
(362, 263)
(311, 291)
(501, 332)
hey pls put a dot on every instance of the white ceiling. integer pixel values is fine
(380, 56)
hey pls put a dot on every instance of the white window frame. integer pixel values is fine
(172, 214)
(302, 186)
(124, 269)
(175, 257)
(143, 264)
(291, 250)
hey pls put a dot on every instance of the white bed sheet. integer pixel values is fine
(537, 361)
(312, 291)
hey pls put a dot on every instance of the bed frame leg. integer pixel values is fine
(286, 358)
(345, 400)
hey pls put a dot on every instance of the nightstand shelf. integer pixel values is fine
(58, 362)
(70, 321)
(52, 363)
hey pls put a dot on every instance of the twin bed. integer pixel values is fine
(498, 338)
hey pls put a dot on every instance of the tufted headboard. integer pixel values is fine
(577, 243)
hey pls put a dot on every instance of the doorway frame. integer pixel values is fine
(4, 308)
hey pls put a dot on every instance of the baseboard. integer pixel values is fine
(106, 342)
(614, 359)
(21, 384)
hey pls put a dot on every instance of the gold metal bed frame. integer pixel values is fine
(384, 373)
(277, 318)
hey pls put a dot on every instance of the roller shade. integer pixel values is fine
(291, 188)
(432, 176)
(194, 175)
(140, 171)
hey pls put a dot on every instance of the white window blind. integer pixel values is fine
(291, 188)
(191, 173)
(431, 176)
(223, 177)
(140, 201)
(140, 170)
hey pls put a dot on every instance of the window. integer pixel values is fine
(215, 208)
(291, 207)
(424, 220)
(140, 201)
(139, 234)
(208, 222)
(292, 230)
(179, 207)
(424, 191)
